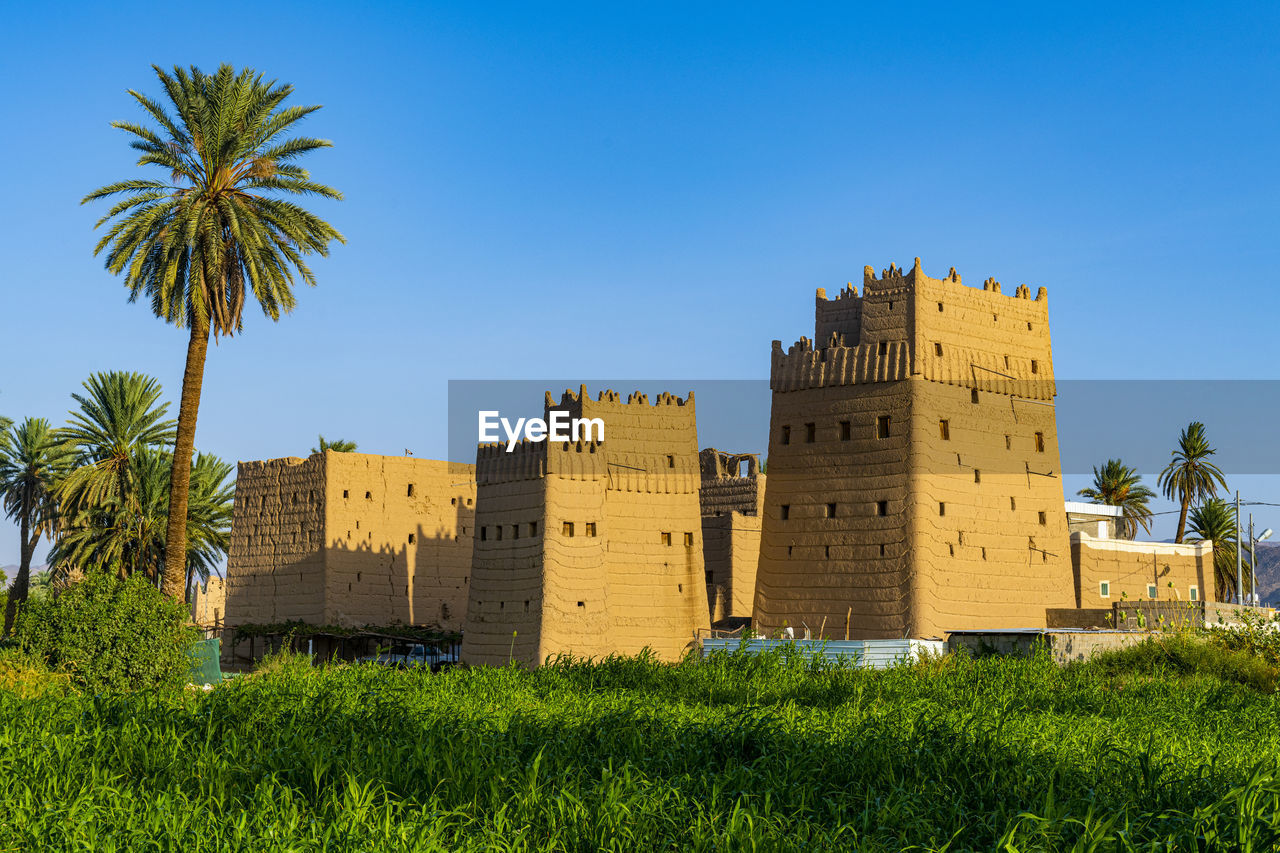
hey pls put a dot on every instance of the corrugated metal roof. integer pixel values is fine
(875, 654)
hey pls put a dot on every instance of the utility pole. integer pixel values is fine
(1253, 561)
(1239, 556)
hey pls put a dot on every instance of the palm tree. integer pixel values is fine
(208, 517)
(130, 535)
(1191, 477)
(219, 224)
(340, 445)
(1119, 485)
(1215, 521)
(33, 456)
(119, 413)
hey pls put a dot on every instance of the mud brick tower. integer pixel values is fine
(914, 477)
(590, 548)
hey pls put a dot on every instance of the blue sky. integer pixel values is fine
(655, 190)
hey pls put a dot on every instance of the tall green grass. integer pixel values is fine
(735, 753)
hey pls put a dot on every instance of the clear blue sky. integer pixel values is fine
(655, 190)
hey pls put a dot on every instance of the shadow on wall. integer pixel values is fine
(365, 577)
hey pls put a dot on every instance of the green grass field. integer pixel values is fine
(736, 753)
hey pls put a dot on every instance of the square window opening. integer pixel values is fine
(882, 507)
(410, 494)
(412, 538)
(944, 430)
(1104, 589)
(846, 430)
(688, 539)
(942, 508)
(830, 511)
(882, 426)
(1039, 442)
(882, 348)
(1152, 591)
(786, 435)
(1044, 517)
(591, 528)
(977, 476)
(666, 538)
(810, 433)
(567, 529)
(785, 511)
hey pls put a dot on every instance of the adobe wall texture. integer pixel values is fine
(1129, 568)
(590, 548)
(914, 476)
(351, 539)
(209, 603)
(731, 499)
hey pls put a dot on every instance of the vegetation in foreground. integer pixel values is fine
(734, 753)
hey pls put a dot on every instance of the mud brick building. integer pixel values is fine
(591, 547)
(914, 476)
(731, 497)
(351, 539)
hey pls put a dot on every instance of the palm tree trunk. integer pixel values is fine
(175, 549)
(22, 583)
(1182, 517)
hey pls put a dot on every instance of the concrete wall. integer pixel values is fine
(616, 564)
(351, 539)
(1130, 567)
(933, 530)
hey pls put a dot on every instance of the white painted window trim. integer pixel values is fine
(1102, 594)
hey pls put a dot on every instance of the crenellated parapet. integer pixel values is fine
(906, 324)
(495, 463)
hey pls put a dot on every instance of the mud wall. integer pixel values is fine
(209, 603)
(399, 540)
(351, 539)
(616, 565)
(275, 566)
(1129, 568)
(914, 480)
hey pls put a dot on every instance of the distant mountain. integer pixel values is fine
(11, 572)
(1269, 573)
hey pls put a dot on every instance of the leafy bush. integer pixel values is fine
(27, 676)
(1187, 654)
(110, 634)
(1253, 635)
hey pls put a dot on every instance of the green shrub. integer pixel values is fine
(109, 634)
(26, 675)
(1186, 654)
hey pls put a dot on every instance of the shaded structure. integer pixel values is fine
(731, 496)
(351, 539)
(914, 476)
(591, 547)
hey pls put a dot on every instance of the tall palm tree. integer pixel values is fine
(1215, 521)
(339, 445)
(1116, 484)
(1190, 476)
(33, 456)
(219, 227)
